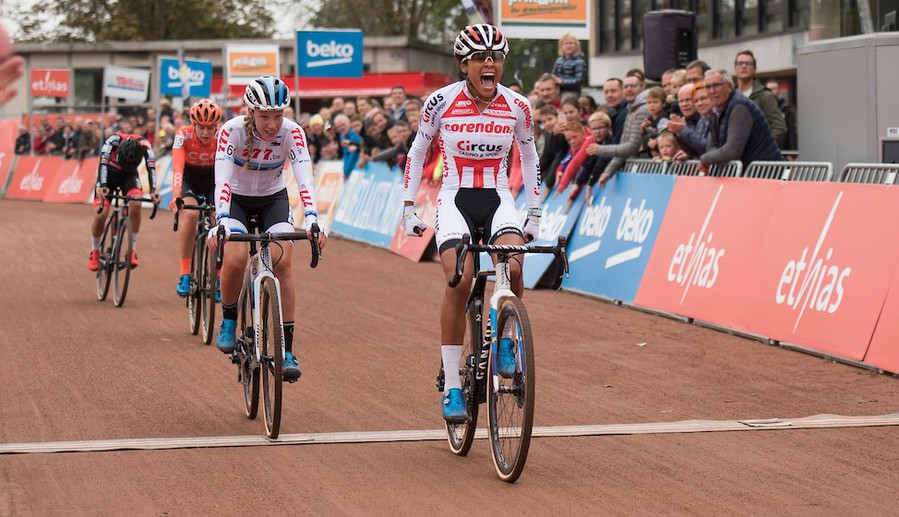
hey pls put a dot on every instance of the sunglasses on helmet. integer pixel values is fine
(482, 56)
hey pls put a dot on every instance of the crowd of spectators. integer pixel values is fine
(696, 113)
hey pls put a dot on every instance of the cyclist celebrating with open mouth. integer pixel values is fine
(477, 120)
(193, 176)
(249, 181)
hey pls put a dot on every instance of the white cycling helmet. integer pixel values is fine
(267, 93)
(477, 38)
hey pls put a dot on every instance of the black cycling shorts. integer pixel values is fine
(198, 183)
(273, 212)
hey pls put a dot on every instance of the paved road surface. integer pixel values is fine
(72, 369)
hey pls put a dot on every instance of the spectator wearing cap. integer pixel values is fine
(316, 138)
(739, 130)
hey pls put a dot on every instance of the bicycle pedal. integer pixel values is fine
(234, 358)
(440, 381)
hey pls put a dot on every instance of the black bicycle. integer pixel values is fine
(201, 298)
(259, 315)
(510, 400)
(116, 247)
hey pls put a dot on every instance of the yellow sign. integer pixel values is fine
(247, 62)
(546, 19)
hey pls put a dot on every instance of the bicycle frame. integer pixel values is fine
(258, 267)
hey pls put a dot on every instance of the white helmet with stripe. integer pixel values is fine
(477, 38)
(267, 93)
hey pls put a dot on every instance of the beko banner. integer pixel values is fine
(331, 53)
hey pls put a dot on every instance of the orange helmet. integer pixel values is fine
(205, 112)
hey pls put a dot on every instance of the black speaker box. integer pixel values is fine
(669, 41)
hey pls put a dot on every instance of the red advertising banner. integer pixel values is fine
(74, 183)
(707, 245)
(414, 248)
(883, 352)
(827, 262)
(48, 82)
(9, 131)
(31, 177)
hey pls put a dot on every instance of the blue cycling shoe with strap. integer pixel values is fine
(505, 362)
(227, 340)
(290, 370)
(453, 404)
(183, 286)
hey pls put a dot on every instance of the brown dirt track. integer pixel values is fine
(72, 368)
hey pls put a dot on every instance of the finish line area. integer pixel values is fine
(684, 426)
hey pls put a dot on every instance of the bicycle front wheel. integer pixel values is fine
(208, 288)
(271, 343)
(107, 244)
(510, 401)
(461, 435)
(196, 283)
(122, 258)
(249, 368)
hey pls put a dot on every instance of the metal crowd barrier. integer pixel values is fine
(688, 168)
(645, 166)
(790, 171)
(875, 173)
(732, 169)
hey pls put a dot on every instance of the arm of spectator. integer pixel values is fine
(630, 140)
(388, 154)
(574, 166)
(739, 127)
(694, 138)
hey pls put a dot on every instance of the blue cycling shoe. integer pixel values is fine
(290, 370)
(227, 342)
(454, 410)
(505, 363)
(184, 286)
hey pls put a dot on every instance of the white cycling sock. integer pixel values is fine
(134, 241)
(452, 356)
(95, 243)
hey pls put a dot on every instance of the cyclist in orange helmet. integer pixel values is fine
(193, 176)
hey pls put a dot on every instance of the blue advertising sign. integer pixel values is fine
(332, 53)
(370, 206)
(613, 239)
(558, 219)
(196, 74)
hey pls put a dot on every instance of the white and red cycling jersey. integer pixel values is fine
(264, 174)
(475, 145)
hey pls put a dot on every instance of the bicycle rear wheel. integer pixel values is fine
(122, 258)
(249, 368)
(196, 287)
(510, 402)
(461, 435)
(208, 288)
(107, 243)
(271, 341)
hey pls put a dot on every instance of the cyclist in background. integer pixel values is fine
(120, 156)
(476, 119)
(193, 176)
(249, 180)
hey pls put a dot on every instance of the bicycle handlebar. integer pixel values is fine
(464, 247)
(179, 204)
(131, 198)
(270, 237)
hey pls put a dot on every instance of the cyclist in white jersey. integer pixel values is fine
(249, 164)
(476, 120)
